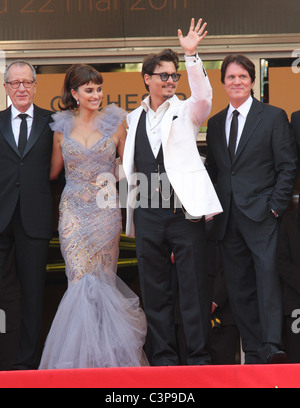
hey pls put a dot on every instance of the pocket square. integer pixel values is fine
(175, 117)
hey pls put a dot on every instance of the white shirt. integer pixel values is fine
(154, 119)
(16, 122)
(243, 112)
(153, 124)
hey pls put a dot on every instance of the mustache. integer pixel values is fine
(169, 86)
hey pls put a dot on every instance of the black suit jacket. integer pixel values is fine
(289, 261)
(295, 121)
(263, 173)
(27, 177)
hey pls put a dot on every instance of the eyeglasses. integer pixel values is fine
(17, 84)
(164, 76)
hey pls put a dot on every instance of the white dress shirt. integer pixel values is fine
(243, 112)
(16, 122)
(153, 124)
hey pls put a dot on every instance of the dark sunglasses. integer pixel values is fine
(164, 76)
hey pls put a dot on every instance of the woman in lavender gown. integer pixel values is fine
(99, 322)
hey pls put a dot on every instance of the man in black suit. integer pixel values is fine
(166, 150)
(289, 271)
(252, 161)
(295, 121)
(25, 200)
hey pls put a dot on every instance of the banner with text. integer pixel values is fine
(80, 19)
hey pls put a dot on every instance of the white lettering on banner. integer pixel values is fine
(153, 397)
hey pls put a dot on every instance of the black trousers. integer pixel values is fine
(249, 256)
(159, 232)
(224, 345)
(30, 261)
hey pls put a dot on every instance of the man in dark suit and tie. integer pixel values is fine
(295, 121)
(289, 271)
(252, 161)
(25, 200)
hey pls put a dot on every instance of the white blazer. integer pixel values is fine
(183, 163)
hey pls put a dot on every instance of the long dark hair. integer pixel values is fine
(76, 76)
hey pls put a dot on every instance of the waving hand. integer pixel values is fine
(195, 36)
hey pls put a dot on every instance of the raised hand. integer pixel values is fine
(194, 37)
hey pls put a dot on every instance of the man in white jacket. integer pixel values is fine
(170, 195)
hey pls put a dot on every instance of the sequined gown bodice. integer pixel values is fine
(99, 322)
(85, 228)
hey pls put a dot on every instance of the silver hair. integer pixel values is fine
(19, 63)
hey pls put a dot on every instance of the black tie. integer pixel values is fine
(23, 134)
(233, 134)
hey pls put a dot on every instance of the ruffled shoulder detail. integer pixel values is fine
(109, 119)
(107, 122)
(63, 122)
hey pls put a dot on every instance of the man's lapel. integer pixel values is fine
(6, 129)
(251, 124)
(222, 132)
(128, 157)
(170, 116)
(38, 124)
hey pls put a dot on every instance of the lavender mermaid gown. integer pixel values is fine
(99, 322)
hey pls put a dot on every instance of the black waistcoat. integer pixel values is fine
(153, 169)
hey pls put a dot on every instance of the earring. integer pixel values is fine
(78, 103)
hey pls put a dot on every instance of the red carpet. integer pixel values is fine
(280, 376)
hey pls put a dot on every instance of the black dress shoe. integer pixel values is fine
(16, 367)
(278, 357)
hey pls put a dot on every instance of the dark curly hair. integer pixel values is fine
(153, 60)
(76, 76)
